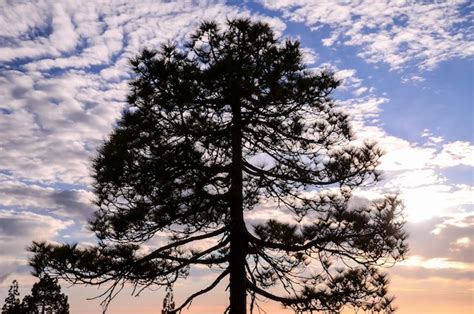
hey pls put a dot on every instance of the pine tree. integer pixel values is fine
(216, 127)
(46, 297)
(12, 302)
(168, 301)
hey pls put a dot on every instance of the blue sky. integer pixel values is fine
(407, 80)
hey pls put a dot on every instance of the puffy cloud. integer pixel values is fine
(50, 32)
(436, 255)
(435, 263)
(52, 125)
(30, 196)
(358, 92)
(18, 230)
(347, 77)
(437, 238)
(459, 220)
(436, 200)
(268, 209)
(28, 224)
(428, 194)
(410, 169)
(363, 110)
(57, 108)
(399, 33)
(402, 154)
(415, 79)
(309, 55)
(454, 154)
(463, 242)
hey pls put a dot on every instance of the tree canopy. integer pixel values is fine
(45, 298)
(12, 303)
(217, 127)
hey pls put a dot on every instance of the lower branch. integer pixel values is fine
(271, 296)
(200, 292)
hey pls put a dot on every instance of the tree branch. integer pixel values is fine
(271, 296)
(200, 292)
(157, 252)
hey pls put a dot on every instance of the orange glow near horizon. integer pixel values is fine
(430, 295)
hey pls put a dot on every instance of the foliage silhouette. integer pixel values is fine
(216, 127)
(12, 303)
(45, 298)
(168, 302)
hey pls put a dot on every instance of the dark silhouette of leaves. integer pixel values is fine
(12, 303)
(45, 298)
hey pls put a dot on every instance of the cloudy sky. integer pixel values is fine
(407, 72)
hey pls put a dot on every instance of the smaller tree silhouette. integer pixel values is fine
(46, 297)
(168, 302)
(12, 302)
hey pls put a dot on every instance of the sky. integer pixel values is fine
(407, 80)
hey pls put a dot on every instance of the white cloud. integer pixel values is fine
(416, 178)
(454, 154)
(426, 132)
(425, 194)
(434, 140)
(413, 172)
(266, 210)
(55, 119)
(358, 92)
(18, 230)
(344, 74)
(309, 56)
(49, 118)
(64, 37)
(347, 77)
(434, 200)
(56, 109)
(410, 169)
(15, 23)
(362, 109)
(463, 242)
(415, 79)
(16, 224)
(403, 155)
(20, 195)
(436, 263)
(460, 220)
(398, 33)
(17, 26)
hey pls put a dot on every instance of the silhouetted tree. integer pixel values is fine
(12, 303)
(46, 297)
(216, 127)
(168, 302)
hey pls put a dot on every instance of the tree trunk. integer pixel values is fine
(238, 231)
